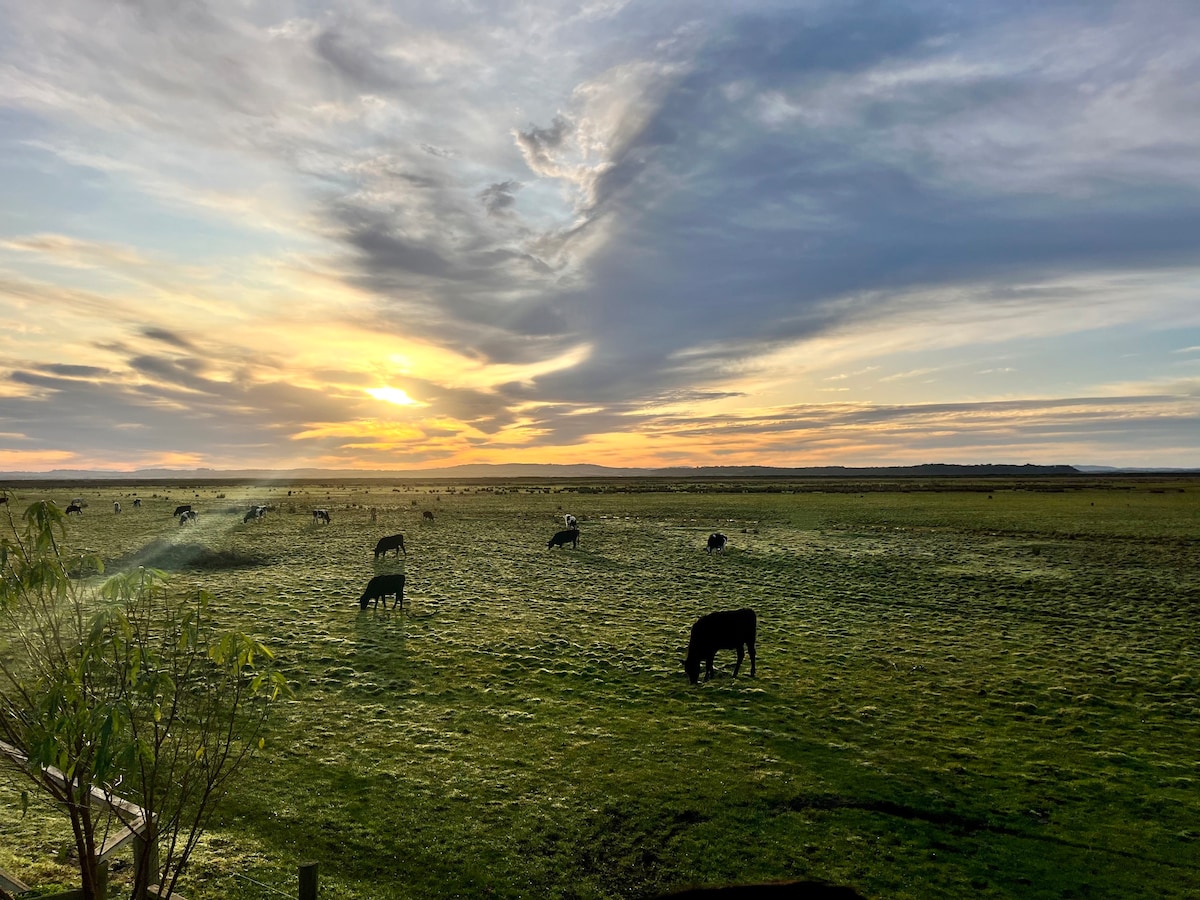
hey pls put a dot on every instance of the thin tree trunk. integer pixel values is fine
(81, 825)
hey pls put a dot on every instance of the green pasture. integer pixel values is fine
(972, 690)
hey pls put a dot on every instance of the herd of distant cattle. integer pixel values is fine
(722, 630)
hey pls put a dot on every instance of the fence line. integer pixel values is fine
(308, 882)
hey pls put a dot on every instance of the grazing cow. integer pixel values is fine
(116, 506)
(717, 542)
(180, 510)
(187, 517)
(380, 588)
(254, 513)
(321, 515)
(392, 542)
(725, 630)
(426, 516)
(572, 522)
(563, 537)
(137, 502)
(74, 508)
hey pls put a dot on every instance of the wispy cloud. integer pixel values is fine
(911, 373)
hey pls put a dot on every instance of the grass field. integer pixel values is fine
(981, 690)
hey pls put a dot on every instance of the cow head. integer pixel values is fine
(692, 667)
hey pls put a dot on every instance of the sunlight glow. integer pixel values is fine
(392, 395)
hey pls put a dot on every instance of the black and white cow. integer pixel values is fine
(717, 542)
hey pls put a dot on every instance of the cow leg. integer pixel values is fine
(737, 665)
(708, 668)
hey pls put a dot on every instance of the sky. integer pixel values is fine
(392, 235)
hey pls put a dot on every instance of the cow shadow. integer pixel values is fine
(380, 657)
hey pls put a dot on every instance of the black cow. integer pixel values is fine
(321, 515)
(74, 508)
(562, 538)
(382, 586)
(426, 516)
(717, 542)
(180, 510)
(725, 630)
(392, 542)
(254, 514)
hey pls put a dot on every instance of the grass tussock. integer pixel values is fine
(182, 556)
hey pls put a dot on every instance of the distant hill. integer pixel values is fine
(534, 470)
(1135, 470)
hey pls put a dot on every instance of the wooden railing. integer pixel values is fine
(131, 817)
(133, 825)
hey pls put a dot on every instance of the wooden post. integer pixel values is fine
(145, 859)
(308, 881)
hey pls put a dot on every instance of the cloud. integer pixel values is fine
(713, 202)
(352, 57)
(499, 199)
(540, 146)
(728, 229)
(69, 371)
(168, 337)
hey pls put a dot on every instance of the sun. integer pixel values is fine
(392, 395)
